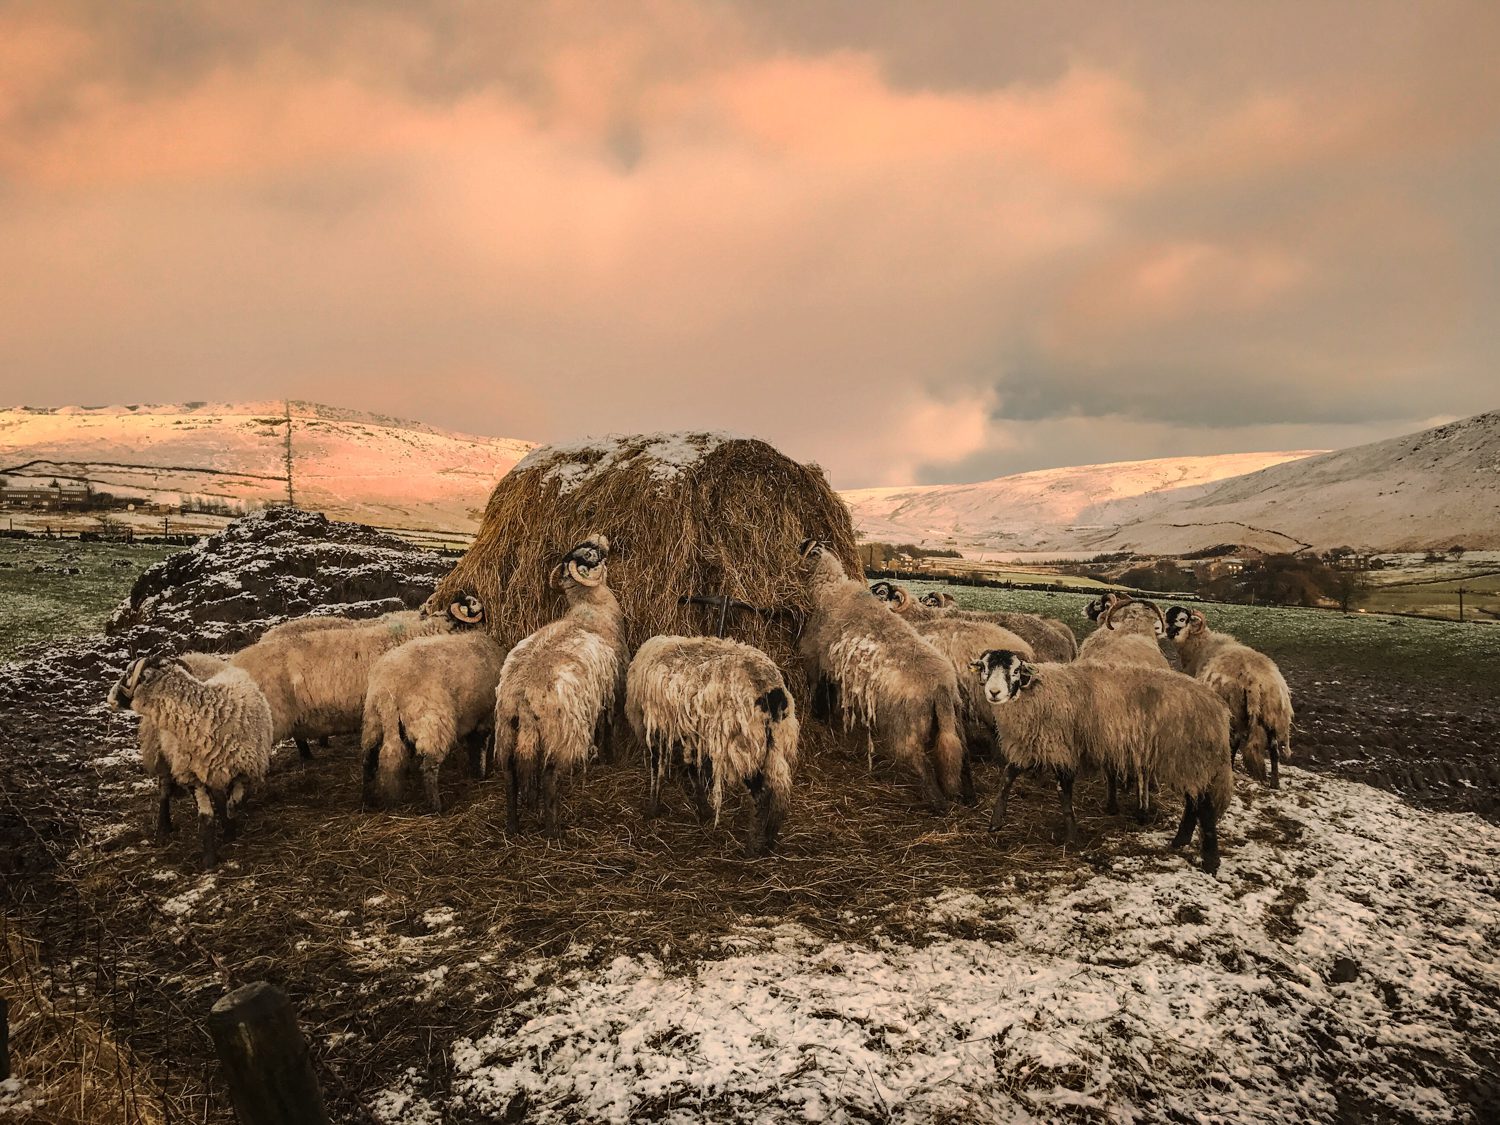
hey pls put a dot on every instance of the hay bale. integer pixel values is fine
(689, 513)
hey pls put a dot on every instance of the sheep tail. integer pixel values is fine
(1270, 710)
(946, 747)
(526, 757)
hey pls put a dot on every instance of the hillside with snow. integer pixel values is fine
(1049, 509)
(348, 464)
(1430, 489)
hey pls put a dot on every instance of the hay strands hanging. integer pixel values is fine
(724, 603)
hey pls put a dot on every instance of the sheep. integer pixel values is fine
(1070, 717)
(297, 626)
(560, 685)
(722, 709)
(1127, 634)
(315, 681)
(1249, 683)
(1049, 638)
(423, 697)
(902, 689)
(960, 639)
(213, 737)
(199, 665)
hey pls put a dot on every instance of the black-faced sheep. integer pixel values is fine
(558, 684)
(1249, 683)
(213, 737)
(1072, 717)
(902, 689)
(721, 710)
(961, 640)
(315, 680)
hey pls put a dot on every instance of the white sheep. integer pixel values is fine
(902, 689)
(559, 685)
(213, 737)
(721, 710)
(423, 698)
(1249, 683)
(961, 640)
(1073, 717)
(1050, 639)
(315, 680)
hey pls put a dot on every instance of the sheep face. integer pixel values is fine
(1183, 622)
(935, 600)
(1097, 608)
(1004, 674)
(139, 672)
(893, 596)
(585, 565)
(466, 609)
(819, 560)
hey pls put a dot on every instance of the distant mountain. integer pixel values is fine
(348, 464)
(1050, 509)
(1431, 489)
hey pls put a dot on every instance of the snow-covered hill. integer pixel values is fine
(347, 464)
(1430, 489)
(1050, 509)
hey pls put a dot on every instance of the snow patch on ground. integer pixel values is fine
(1148, 991)
(181, 905)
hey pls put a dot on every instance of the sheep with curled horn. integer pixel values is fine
(424, 698)
(720, 710)
(961, 640)
(560, 685)
(315, 681)
(1249, 683)
(1134, 720)
(1050, 639)
(902, 689)
(1126, 636)
(211, 737)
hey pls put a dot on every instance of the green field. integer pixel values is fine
(1440, 599)
(36, 606)
(1403, 649)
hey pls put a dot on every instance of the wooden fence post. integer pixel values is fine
(266, 1062)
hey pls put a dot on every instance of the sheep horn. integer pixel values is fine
(459, 610)
(1156, 609)
(899, 598)
(554, 577)
(807, 547)
(576, 573)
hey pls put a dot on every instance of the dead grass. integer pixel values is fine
(335, 905)
(73, 1071)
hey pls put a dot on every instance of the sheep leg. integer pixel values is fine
(1275, 762)
(551, 823)
(1184, 835)
(227, 830)
(932, 792)
(1070, 822)
(372, 762)
(653, 801)
(768, 815)
(512, 799)
(1208, 820)
(1002, 802)
(325, 742)
(207, 828)
(1112, 801)
(966, 780)
(430, 767)
(696, 773)
(303, 751)
(164, 791)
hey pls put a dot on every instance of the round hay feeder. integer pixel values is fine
(687, 514)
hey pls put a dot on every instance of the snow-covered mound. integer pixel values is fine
(345, 463)
(1341, 968)
(667, 455)
(1425, 490)
(1050, 509)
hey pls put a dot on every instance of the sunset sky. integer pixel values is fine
(911, 241)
